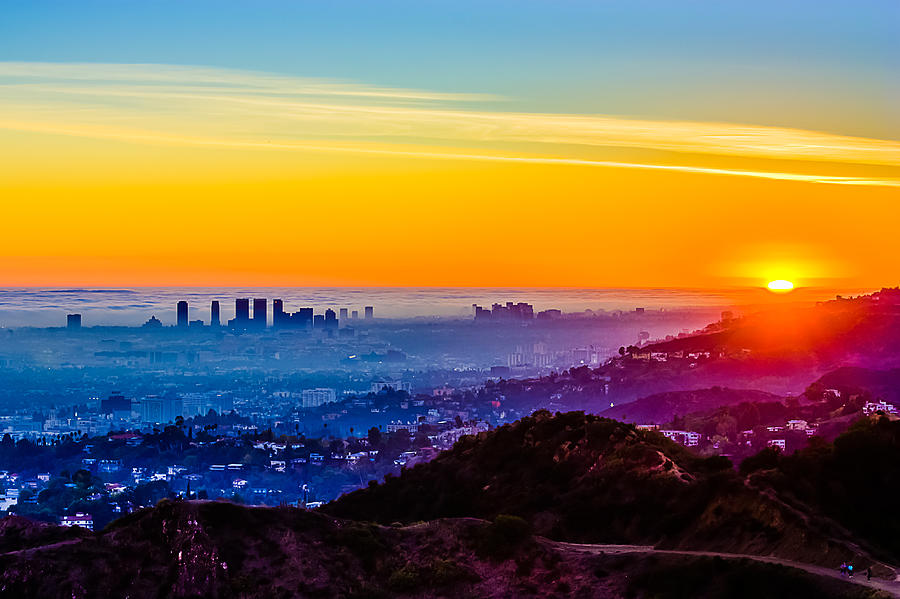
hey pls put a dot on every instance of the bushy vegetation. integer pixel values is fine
(855, 481)
(574, 476)
(500, 539)
(437, 574)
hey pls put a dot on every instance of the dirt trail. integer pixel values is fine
(888, 586)
(41, 547)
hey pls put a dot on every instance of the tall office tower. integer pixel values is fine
(319, 321)
(331, 321)
(354, 315)
(116, 403)
(343, 313)
(73, 321)
(242, 311)
(259, 313)
(370, 312)
(279, 318)
(214, 318)
(302, 319)
(182, 312)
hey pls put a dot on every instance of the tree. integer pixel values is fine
(82, 478)
(375, 437)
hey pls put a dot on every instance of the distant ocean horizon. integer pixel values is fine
(43, 307)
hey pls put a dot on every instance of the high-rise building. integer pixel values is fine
(182, 313)
(116, 404)
(319, 321)
(214, 317)
(73, 321)
(354, 315)
(279, 317)
(343, 313)
(331, 321)
(242, 311)
(159, 409)
(370, 312)
(302, 319)
(259, 313)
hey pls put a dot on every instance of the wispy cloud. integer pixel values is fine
(144, 76)
(206, 106)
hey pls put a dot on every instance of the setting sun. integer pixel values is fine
(780, 286)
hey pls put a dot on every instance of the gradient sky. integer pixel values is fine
(694, 144)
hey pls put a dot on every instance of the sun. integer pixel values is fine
(780, 286)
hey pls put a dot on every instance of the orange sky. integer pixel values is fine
(164, 189)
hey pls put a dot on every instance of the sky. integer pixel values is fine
(491, 143)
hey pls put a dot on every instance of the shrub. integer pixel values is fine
(503, 536)
(405, 580)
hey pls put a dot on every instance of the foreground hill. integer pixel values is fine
(221, 550)
(583, 478)
(660, 408)
(854, 482)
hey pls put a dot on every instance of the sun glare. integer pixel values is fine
(780, 286)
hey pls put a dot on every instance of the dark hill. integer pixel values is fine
(218, 550)
(584, 478)
(854, 482)
(663, 407)
(884, 384)
(18, 533)
(222, 550)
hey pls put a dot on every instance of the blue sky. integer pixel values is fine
(829, 66)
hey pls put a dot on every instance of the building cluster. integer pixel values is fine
(539, 355)
(512, 311)
(686, 438)
(873, 407)
(304, 318)
(115, 412)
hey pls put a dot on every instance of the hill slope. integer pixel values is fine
(663, 407)
(863, 331)
(583, 478)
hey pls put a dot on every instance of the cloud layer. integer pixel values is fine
(202, 106)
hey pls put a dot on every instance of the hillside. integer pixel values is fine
(584, 478)
(862, 331)
(883, 384)
(663, 407)
(221, 550)
(854, 481)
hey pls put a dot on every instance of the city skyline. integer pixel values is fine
(244, 319)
